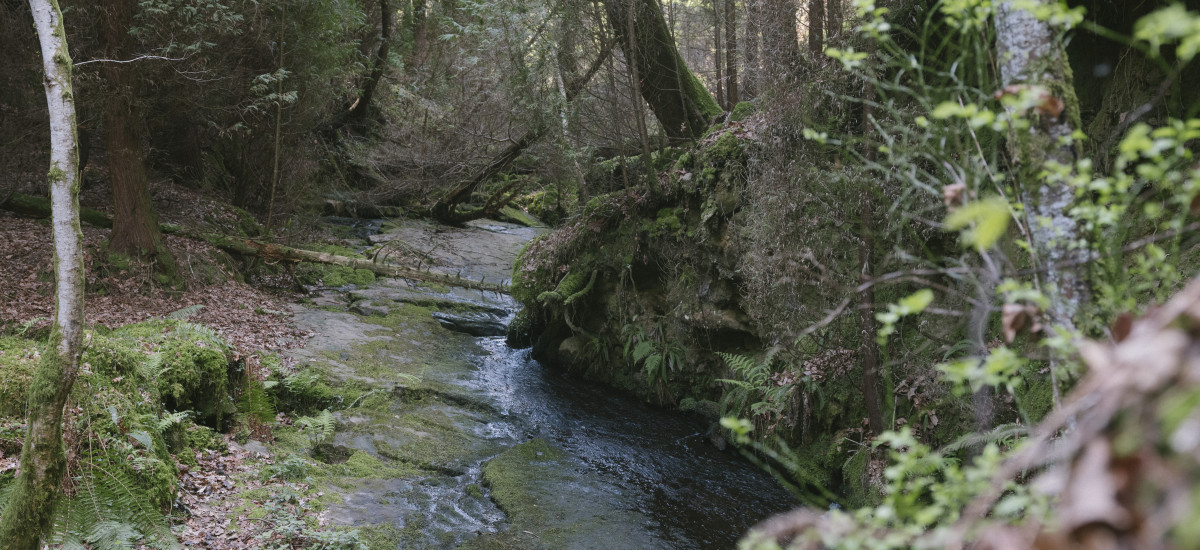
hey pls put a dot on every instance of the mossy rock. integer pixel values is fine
(742, 111)
(18, 359)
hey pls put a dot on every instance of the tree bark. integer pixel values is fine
(869, 348)
(751, 70)
(135, 226)
(731, 54)
(780, 44)
(30, 506)
(834, 15)
(420, 34)
(816, 28)
(1031, 54)
(680, 102)
(718, 51)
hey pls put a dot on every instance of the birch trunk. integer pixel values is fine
(30, 506)
(1031, 54)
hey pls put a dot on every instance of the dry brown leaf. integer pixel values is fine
(952, 194)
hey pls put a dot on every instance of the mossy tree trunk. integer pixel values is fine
(678, 100)
(30, 507)
(1032, 55)
(135, 227)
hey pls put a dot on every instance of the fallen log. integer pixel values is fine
(277, 252)
(36, 207)
(39, 207)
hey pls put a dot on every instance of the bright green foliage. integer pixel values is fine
(910, 305)
(1168, 25)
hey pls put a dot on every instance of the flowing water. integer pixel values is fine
(573, 464)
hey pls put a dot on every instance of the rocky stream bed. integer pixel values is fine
(459, 441)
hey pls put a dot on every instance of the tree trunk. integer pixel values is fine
(30, 506)
(135, 227)
(679, 101)
(731, 54)
(718, 58)
(816, 28)
(1032, 55)
(869, 348)
(834, 15)
(751, 72)
(420, 34)
(780, 44)
(378, 64)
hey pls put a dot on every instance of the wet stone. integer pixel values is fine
(474, 323)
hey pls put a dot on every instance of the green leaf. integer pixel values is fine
(982, 222)
(916, 302)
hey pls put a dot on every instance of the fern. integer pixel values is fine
(1004, 434)
(255, 403)
(108, 512)
(184, 313)
(163, 424)
(323, 424)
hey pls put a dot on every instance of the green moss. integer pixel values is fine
(508, 475)
(1035, 394)
(18, 359)
(741, 111)
(381, 537)
(195, 373)
(519, 217)
(332, 275)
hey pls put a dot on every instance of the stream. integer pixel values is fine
(511, 453)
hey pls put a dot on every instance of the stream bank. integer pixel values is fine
(445, 437)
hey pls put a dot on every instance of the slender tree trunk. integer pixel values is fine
(816, 28)
(869, 348)
(378, 65)
(278, 124)
(1031, 54)
(731, 55)
(135, 227)
(718, 58)
(678, 99)
(420, 33)
(751, 72)
(30, 506)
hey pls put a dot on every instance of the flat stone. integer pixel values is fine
(368, 308)
(475, 323)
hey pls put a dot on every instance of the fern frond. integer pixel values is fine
(997, 435)
(186, 312)
(644, 349)
(165, 423)
(323, 425)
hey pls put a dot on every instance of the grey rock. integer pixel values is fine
(475, 323)
(368, 308)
